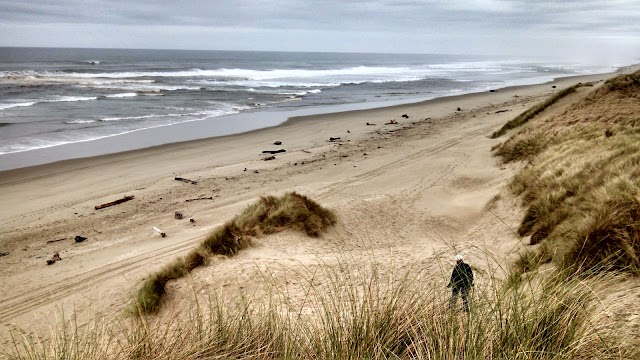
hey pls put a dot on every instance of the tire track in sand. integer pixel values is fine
(30, 300)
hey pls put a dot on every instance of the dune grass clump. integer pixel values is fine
(359, 314)
(581, 185)
(268, 215)
(533, 111)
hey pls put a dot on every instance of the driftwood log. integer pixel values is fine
(334, 138)
(202, 198)
(274, 151)
(116, 202)
(185, 180)
(56, 240)
(272, 157)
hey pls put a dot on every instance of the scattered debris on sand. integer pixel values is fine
(391, 122)
(56, 257)
(162, 233)
(178, 215)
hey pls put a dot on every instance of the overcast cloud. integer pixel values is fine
(603, 31)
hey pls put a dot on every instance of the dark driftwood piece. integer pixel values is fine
(52, 241)
(277, 143)
(391, 122)
(272, 157)
(334, 138)
(186, 180)
(119, 201)
(80, 238)
(501, 111)
(274, 151)
(202, 198)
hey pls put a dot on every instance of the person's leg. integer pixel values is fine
(464, 292)
(454, 298)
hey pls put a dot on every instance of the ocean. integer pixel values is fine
(52, 97)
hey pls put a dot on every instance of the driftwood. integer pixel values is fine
(56, 257)
(334, 138)
(56, 240)
(274, 151)
(202, 198)
(162, 233)
(119, 201)
(272, 157)
(277, 143)
(405, 116)
(186, 180)
(391, 122)
(368, 123)
(501, 111)
(80, 238)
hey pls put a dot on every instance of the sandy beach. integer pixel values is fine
(420, 187)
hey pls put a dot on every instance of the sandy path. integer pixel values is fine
(421, 188)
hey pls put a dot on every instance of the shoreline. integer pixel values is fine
(236, 124)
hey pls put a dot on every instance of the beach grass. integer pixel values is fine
(533, 111)
(268, 215)
(359, 314)
(581, 184)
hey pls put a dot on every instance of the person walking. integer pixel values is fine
(460, 283)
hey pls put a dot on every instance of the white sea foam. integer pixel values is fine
(40, 143)
(12, 105)
(123, 95)
(79, 121)
(25, 103)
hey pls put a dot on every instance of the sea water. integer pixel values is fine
(51, 97)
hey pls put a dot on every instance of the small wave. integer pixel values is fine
(123, 95)
(79, 121)
(70, 99)
(9, 106)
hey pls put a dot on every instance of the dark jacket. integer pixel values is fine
(461, 276)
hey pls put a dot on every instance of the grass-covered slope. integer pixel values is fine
(267, 216)
(358, 315)
(533, 111)
(581, 184)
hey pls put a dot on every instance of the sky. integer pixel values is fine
(604, 31)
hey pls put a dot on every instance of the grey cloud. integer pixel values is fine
(332, 14)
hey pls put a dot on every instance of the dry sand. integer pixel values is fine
(411, 194)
